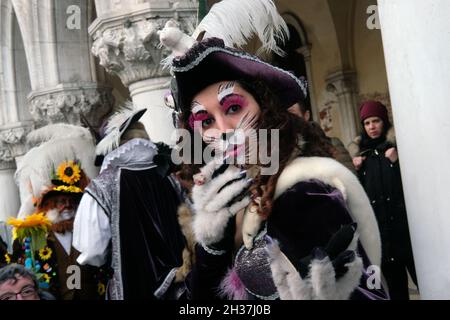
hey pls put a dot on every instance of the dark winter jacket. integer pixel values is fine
(382, 182)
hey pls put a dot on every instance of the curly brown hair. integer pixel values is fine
(298, 136)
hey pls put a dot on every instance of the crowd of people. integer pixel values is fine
(109, 216)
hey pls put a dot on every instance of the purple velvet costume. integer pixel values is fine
(304, 217)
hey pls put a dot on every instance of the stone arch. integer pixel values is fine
(63, 84)
(294, 21)
(15, 119)
(36, 20)
(368, 46)
(23, 82)
(326, 23)
(343, 17)
(321, 48)
(298, 55)
(15, 80)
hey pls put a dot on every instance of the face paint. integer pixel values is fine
(197, 107)
(229, 101)
(198, 114)
(225, 117)
(224, 90)
(233, 103)
(228, 110)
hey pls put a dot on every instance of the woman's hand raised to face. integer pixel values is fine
(220, 191)
(358, 161)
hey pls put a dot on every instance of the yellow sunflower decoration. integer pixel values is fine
(46, 277)
(31, 221)
(72, 189)
(69, 172)
(45, 253)
(101, 289)
(34, 226)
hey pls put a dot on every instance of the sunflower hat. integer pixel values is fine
(60, 161)
(67, 178)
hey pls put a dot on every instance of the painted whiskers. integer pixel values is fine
(240, 144)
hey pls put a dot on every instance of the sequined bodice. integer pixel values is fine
(253, 269)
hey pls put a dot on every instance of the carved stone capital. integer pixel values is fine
(129, 47)
(13, 136)
(67, 102)
(6, 158)
(341, 82)
(12, 142)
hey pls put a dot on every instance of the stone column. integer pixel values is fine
(9, 195)
(127, 44)
(158, 118)
(416, 43)
(62, 76)
(305, 51)
(343, 85)
(12, 146)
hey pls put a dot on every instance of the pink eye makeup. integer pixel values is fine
(198, 114)
(228, 106)
(201, 116)
(233, 103)
(230, 102)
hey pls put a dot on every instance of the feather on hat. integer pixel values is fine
(236, 21)
(233, 21)
(209, 55)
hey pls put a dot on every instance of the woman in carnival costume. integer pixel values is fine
(304, 230)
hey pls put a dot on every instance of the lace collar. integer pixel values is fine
(134, 152)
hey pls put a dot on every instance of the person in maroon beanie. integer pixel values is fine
(375, 158)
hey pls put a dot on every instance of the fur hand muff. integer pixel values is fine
(329, 275)
(220, 191)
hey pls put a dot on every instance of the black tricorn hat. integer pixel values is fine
(209, 61)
